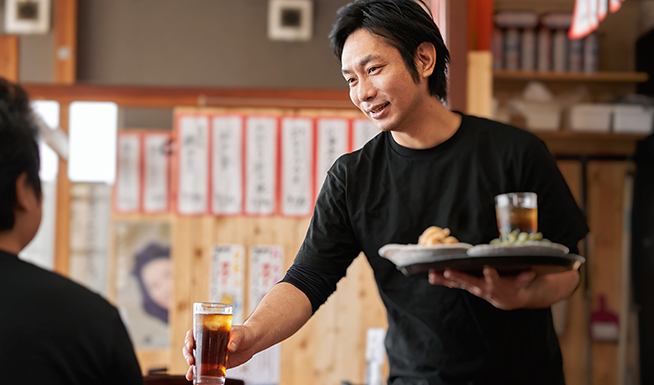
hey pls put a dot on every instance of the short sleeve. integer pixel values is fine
(330, 244)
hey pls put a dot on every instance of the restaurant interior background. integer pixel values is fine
(179, 79)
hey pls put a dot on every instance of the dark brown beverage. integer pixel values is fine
(510, 218)
(211, 338)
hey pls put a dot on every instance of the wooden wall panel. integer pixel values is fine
(574, 341)
(605, 200)
(9, 57)
(65, 34)
(331, 346)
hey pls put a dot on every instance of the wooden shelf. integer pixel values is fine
(576, 143)
(605, 76)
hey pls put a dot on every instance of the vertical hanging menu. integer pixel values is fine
(128, 180)
(363, 131)
(261, 165)
(227, 165)
(332, 142)
(156, 168)
(228, 278)
(193, 184)
(297, 150)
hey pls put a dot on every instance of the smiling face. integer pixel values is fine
(380, 84)
(157, 279)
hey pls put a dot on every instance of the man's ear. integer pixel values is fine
(425, 59)
(25, 195)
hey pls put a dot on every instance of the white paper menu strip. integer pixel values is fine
(261, 165)
(332, 143)
(128, 184)
(228, 278)
(156, 172)
(266, 269)
(193, 164)
(297, 162)
(364, 130)
(227, 165)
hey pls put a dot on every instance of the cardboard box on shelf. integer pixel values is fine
(633, 119)
(541, 116)
(591, 117)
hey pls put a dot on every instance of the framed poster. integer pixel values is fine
(143, 280)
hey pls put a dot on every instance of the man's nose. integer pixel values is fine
(366, 91)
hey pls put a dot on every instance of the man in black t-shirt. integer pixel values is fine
(52, 331)
(428, 166)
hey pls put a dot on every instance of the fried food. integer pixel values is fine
(435, 235)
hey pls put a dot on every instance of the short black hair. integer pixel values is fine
(19, 150)
(404, 24)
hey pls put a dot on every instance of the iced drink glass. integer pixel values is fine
(516, 211)
(212, 323)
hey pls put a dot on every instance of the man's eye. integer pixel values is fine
(350, 80)
(373, 69)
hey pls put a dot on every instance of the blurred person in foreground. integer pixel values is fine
(52, 330)
(428, 166)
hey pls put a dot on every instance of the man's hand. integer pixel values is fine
(506, 293)
(240, 349)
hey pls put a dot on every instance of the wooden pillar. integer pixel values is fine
(65, 35)
(480, 84)
(65, 32)
(9, 57)
(457, 36)
(62, 221)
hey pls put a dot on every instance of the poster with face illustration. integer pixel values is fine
(143, 280)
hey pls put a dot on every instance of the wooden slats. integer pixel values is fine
(197, 97)
(62, 221)
(65, 35)
(9, 57)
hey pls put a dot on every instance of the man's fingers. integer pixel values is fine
(524, 279)
(189, 374)
(189, 341)
(491, 275)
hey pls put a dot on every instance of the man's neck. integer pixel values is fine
(9, 242)
(435, 125)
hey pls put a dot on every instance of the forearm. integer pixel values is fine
(281, 313)
(548, 289)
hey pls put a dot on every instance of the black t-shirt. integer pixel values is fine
(54, 331)
(386, 193)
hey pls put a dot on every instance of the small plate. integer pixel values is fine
(531, 248)
(404, 255)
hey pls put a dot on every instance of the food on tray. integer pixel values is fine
(517, 237)
(435, 235)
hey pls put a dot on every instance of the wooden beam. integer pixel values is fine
(65, 33)
(196, 97)
(457, 36)
(9, 57)
(480, 84)
(62, 221)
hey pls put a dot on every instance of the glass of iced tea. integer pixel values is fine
(516, 211)
(212, 323)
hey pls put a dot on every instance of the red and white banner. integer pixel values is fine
(332, 142)
(227, 165)
(193, 171)
(261, 165)
(156, 172)
(362, 131)
(297, 195)
(587, 15)
(127, 191)
(228, 279)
